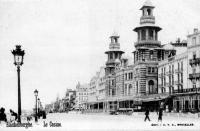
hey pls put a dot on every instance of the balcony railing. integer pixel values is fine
(194, 76)
(144, 42)
(195, 61)
(147, 19)
(189, 90)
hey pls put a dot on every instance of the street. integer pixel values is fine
(77, 121)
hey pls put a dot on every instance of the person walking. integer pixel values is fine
(160, 113)
(13, 114)
(147, 115)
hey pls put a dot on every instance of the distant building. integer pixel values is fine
(81, 96)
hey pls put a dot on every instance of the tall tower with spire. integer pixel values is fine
(148, 52)
(113, 61)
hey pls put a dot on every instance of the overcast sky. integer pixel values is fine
(65, 40)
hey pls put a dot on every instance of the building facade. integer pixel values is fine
(163, 76)
(81, 96)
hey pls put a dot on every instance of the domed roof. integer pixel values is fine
(117, 61)
(168, 47)
(147, 3)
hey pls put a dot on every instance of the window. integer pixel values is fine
(151, 55)
(193, 70)
(130, 76)
(149, 69)
(194, 41)
(125, 76)
(143, 58)
(151, 34)
(194, 55)
(125, 90)
(178, 66)
(181, 77)
(153, 70)
(111, 56)
(148, 11)
(182, 65)
(137, 87)
(172, 79)
(143, 35)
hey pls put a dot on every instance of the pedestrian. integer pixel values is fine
(43, 114)
(3, 115)
(13, 114)
(147, 115)
(160, 113)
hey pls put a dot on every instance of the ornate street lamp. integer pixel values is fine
(36, 94)
(18, 61)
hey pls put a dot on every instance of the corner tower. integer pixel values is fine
(114, 54)
(148, 52)
(114, 59)
(147, 30)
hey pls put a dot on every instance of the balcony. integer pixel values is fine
(188, 90)
(178, 70)
(194, 61)
(147, 42)
(194, 76)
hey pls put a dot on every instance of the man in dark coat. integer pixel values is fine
(160, 113)
(2, 115)
(147, 115)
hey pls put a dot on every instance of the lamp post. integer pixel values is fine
(38, 107)
(36, 94)
(18, 61)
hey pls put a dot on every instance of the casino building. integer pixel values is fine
(161, 76)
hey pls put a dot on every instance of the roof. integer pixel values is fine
(114, 34)
(168, 47)
(147, 3)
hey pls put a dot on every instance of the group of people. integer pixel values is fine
(160, 114)
(3, 116)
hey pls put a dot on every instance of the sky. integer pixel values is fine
(65, 40)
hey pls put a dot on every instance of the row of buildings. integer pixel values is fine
(162, 75)
(64, 104)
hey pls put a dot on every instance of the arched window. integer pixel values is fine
(151, 86)
(148, 11)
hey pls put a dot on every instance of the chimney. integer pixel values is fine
(195, 30)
